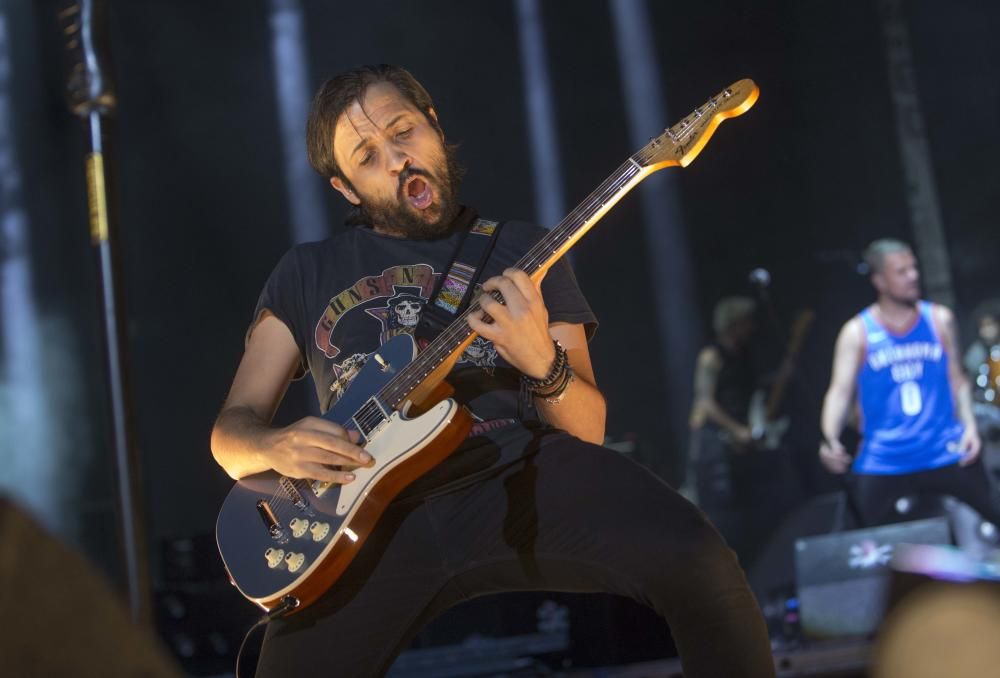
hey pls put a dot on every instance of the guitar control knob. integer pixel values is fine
(319, 530)
(274, 557)
(299, 526)
(294, 561)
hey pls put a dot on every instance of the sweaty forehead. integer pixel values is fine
(381, 104)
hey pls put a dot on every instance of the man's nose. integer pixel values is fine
(399, 160)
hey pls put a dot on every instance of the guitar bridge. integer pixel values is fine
(301, 503)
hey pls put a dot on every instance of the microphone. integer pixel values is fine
(83, 24)
(760, 277)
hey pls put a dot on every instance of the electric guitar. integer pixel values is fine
(285, 541)
(766, 427)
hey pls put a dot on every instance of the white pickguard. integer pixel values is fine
(398, 439)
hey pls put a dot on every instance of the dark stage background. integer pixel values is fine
(799, 185)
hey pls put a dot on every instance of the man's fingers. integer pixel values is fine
(318, 455)
(326, 474)
(324, 426)
(512, 296)
(523, 282)
(836, 460)
(337, 445)
(969, 457)
(482, 328)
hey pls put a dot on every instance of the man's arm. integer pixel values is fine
(705, 406)
(961, 389)
(243, 440)
(840, 395)
(521, 333)
(582, 412)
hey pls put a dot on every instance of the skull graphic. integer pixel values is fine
(481, 353)
(406, 311)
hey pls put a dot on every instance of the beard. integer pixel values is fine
(397, 215)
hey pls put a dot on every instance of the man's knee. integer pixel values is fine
(683, 543)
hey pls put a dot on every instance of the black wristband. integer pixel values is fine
(556, 374)
(555, 396)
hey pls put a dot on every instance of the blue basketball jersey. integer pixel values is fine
(908, 414)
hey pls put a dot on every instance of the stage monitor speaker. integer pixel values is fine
(843, 578)
(61, 618)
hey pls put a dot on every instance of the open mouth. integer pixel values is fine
(418, 192)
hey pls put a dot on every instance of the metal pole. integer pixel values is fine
(92, 97)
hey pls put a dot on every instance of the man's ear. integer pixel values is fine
(350, 195)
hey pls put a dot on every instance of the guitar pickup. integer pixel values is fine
(271, 521)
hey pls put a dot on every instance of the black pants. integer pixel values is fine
(875, 495)
(569, 517)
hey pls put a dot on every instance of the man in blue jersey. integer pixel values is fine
(900, 358)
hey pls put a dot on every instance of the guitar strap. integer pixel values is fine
(455, 289)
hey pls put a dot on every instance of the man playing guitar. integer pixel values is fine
(530, 500)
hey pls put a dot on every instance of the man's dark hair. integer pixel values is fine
(337, 93)
(876, 252)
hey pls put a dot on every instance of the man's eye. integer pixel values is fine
(403, 134)
(367, 158)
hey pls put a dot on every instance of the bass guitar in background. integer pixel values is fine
(767, 428)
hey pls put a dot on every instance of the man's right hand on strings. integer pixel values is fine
(316, 449)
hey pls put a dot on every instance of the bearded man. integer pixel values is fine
(530, 500)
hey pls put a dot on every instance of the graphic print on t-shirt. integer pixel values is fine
(395, 299)
(480, 353)
(401, 313)
(420, 278)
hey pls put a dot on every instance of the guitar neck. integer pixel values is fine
(801, 326)
(557, 242)
(678, 145)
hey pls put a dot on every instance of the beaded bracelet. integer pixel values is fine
(555, 376)
(556, 396)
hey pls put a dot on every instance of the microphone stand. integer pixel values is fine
(83, 24)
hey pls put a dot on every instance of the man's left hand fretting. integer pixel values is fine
(520, 327)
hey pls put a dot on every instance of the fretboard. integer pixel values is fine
(546, 251)
(678, 145)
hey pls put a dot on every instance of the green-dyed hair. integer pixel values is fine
(876, 252)
(730, 310)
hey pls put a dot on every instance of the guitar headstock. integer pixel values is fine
(681, 144)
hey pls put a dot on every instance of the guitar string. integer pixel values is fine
(435, 354)
(557, 236)
(544, 245)
(439, 350)
(444, 346)
(531, 261)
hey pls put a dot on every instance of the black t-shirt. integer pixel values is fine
(343, 297)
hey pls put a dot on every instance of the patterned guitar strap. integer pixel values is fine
(456, 289)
